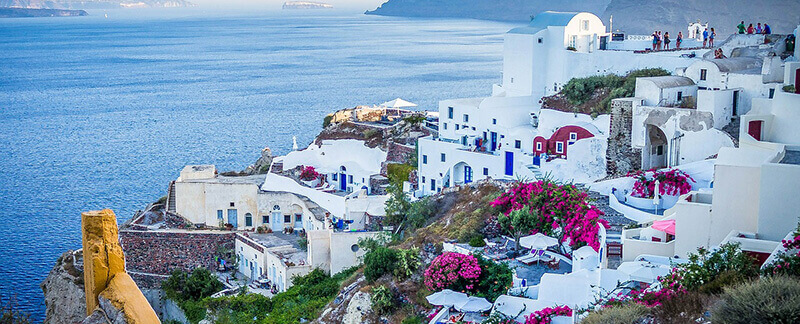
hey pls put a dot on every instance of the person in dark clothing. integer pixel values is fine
(678, 40)
(711, 38)
(666, 41)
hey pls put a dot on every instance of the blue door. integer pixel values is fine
(233, 218)
(467, 174)
(494, 141)
(342, 182)
(509, 163)
(536, 160)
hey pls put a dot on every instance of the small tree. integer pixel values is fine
(380, 261)
(518, 223)
(407, 263)
(397, 205)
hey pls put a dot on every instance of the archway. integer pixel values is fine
(462, 173)
(654, 154)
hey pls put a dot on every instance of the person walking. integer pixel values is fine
(678, 40)
(711, 37)
(758, 29)
(705, 37)
(750, 29)
(767, 30)
(655, 39)
(741, 27)
(666, 41)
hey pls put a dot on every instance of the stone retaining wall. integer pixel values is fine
(160, 252)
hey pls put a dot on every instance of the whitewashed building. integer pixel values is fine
(494, 136)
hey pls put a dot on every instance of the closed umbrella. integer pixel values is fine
(474, 305)
(643, 271)
(537, 241)
(447, 297)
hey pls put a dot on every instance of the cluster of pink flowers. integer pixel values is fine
(560, 207)
(454, 271)
(792, 243)
(308, 173)
(789, 262)
(671, 182)
(545, 316)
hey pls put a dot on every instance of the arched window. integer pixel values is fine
(248, 219)
(342, 168)
(276, 207)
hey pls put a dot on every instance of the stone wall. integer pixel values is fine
(621, 158)
(153, 254)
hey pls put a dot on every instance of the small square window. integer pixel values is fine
(486, 171)
(458, 126)
(540, 40)
(265, 219)
(424, 159)
(443, 157)
(538, 146)
(473, 128)
(298, 217)
(334, 176)
(494, 121)
(560, 147)
(423, 179)
(517, 144)
(287, 218)
(573, 136)
(466, 118)
(232, 205)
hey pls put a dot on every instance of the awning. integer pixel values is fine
(667, 226)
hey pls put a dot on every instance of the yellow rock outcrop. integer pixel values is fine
(104, 270)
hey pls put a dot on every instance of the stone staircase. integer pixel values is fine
(171, 198)
(536, 171)
(732, 129)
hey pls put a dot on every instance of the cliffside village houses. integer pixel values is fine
(742, 194)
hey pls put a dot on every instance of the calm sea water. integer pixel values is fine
(102, 113)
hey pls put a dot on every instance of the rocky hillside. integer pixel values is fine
(94, 4)
(631, 16)
(63, 290)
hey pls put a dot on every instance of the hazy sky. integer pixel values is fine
(360, 5)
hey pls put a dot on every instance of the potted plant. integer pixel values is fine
(309, 176)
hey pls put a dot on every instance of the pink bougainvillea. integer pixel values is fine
(308, 173)
(564, 211)
(545, 316)
(671, 182)
(454, 271)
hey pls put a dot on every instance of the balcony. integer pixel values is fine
(639, 241)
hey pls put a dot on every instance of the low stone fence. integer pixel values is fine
(152, 255)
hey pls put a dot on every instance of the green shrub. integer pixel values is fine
(413, 320)
(305, 300)
(397, 206)
(419, 212)
(397, 173)
(239, 308)
(327, 121)
(382, 299)
(415, 119)
(378, 262)
(477, 241)
(789, 88)
(181, 286)
(407, 263)
(705, 267)
(626, 314)
(495, 279)
(683, 308)
(768, 300)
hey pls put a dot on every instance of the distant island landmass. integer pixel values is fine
(630, 16)
(92, 4)
(23, 12)
(306, 5)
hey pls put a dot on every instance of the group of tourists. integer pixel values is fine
(708, 37)
(750, 30)
(663, 41)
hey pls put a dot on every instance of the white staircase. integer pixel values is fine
(536, 171)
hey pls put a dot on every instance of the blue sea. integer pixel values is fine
(103, 112)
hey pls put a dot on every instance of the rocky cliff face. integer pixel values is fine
(631, 16)
(64, 296)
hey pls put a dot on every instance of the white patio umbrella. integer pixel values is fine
(447, 297)
(644, 271)
(474, 304)
(537, 241)
(398, 103)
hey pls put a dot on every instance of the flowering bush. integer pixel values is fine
(545, 316)
(562, 211)
(454, 271)
(672, 182)
(308, 173)
(788, 262)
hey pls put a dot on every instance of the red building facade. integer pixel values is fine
(556, 145)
